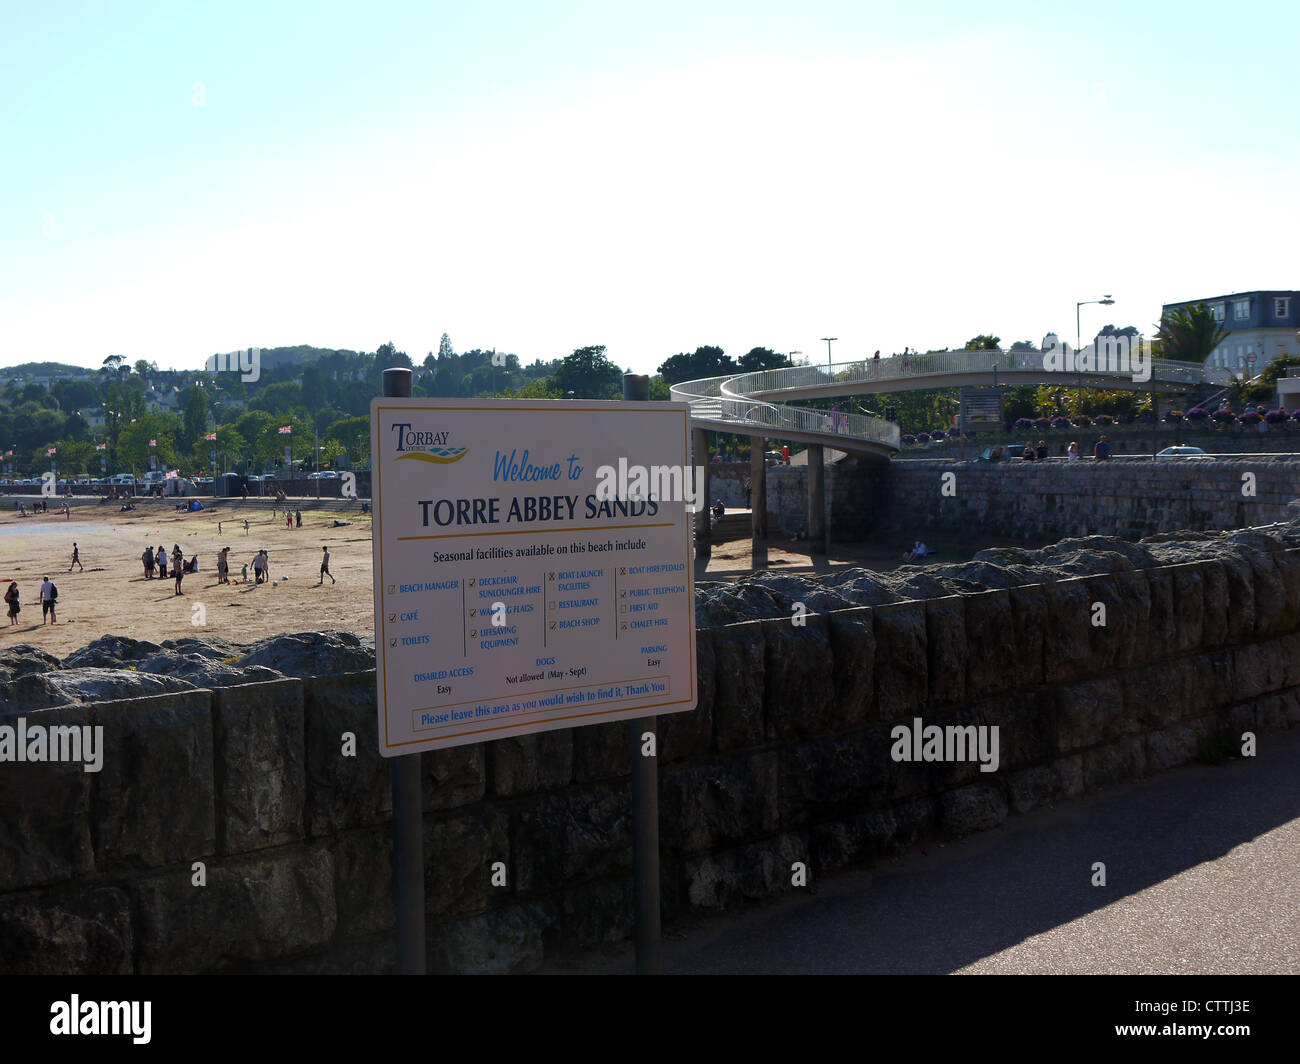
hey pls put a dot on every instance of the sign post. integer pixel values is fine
(408, 806)
(645, 798)
(532, 566)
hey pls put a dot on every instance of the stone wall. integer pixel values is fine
(786, 759)
(1045, 502)
(1040, 502)
(1124, 439)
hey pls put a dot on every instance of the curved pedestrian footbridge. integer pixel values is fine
(760, 404)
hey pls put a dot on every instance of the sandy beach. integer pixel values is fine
(112, 594)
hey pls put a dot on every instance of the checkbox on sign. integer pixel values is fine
(473, 633)
(550, 577)
(550, 605)
(473, 613)
(392, 588)
(392, 642)
(471, 582)
(552, 626)
(392, 618)
(622, 609)
(622, 594)
(622, 570)
(623, 627)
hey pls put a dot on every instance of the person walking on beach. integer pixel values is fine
(325, 567)
(76, 559)
(11, 600)
(178, 566)
(161, 559)
(148, 559)
(218, 528)
(288, 519)
(297, 515)
(245, 526)
(49, 593)
(223, 566)
(257, 567)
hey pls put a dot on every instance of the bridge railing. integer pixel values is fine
(802, 419)
(731, 398)
(944, 363)
(706, 396)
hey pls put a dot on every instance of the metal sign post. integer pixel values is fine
(533, 571)
(645, 798)
(408, 809)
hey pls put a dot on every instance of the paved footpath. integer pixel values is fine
(1202, 876)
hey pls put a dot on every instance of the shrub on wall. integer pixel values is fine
(1197, 414)
(1223, 416)
(1103, 419)
(1173, 415)
(922, 437)
(1250, 417)
(909, 439)
(1275, 417)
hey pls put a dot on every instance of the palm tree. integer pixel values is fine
(1189, 334)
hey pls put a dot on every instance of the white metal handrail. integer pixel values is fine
(732, 398)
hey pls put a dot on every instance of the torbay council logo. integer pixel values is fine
(425, 446)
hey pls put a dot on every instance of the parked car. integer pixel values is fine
(1183, 452)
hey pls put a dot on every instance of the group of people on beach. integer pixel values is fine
(158, 560)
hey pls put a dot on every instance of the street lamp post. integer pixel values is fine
(828, 340)
(1078, 340)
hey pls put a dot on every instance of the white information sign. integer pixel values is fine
(532, 564)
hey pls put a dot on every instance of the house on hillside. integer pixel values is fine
(1262, 326)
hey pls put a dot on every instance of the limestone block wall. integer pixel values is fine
(786, 759)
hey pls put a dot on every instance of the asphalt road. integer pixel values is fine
(1202, 876)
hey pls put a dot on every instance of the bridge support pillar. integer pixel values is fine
(758, 500)
(817, 498)
(700, 459)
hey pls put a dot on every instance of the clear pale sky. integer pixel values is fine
(182, 179)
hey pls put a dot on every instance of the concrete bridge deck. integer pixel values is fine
(758, 405)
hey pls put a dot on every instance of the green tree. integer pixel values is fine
(983, 343)
(75, 395)
(445, 350)
(1277, 368)
(589, 374)
(133, 450)
(352, 435)
(194, 417)
(280, 398)
(761, 358)
(1189, 334)
(703, 362)
(312, 391)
